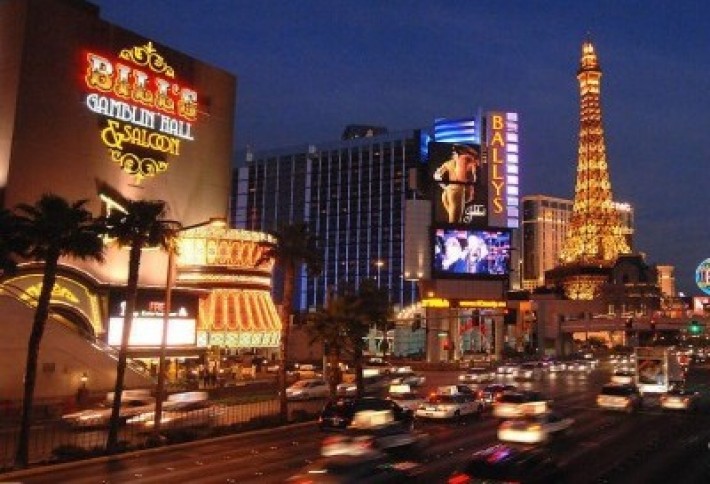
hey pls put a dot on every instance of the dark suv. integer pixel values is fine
(338, 414)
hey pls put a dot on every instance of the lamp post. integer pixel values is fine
(169, 283)
(379, 265)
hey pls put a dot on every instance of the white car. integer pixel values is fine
(520, 404)
(530, 371)
(309, 388)
(621, 376)
(101, 415)
(407, 378)
(579, 366)
(449, 406)
(533, 430)
(556, 366)
(403, 396)
(372, 385)
(477, 375)
(182, 414)
(680, 399)
(620, 396)
(508, 369)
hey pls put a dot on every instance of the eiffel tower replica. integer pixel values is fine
(595, 238)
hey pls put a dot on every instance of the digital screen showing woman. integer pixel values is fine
(471, 252)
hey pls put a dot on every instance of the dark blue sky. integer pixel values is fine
(307, 68)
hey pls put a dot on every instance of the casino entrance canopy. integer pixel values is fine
(231, 263)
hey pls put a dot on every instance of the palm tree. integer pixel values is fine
(295, 248)
(374, 310)
(333, 325)
(142, 224)
(53, 228)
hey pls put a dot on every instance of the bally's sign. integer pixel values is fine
(148, 114)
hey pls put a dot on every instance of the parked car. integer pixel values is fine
(530, 371)
(680, 399)
(99, 416)
(406, 376)
(477, 375)
(503, 463)
(306, 389)
(556, 366)
(620, 396)
(196, 413)
(373, 385)
(579, 366)
(508, 369)
(338, 414)
(531, 430)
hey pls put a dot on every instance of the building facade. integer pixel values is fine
(351, 193)
(89, 109)
(545, 221)
(387, 206)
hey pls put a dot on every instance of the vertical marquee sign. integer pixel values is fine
(503, 172)
(148, 114)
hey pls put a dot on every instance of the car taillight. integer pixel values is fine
(459, 478)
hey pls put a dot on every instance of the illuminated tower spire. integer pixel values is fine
(594, 234)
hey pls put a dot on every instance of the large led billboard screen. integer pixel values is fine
(470, 253)
(460, 194)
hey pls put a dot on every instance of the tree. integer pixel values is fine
(52, 228)
(141, 225)
(344, 322)
(295, 247)
(333, 325)
(375, 310)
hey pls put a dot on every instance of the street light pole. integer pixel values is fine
(169, 284)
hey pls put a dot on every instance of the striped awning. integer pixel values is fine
(239, 317)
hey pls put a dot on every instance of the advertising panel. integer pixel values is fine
(459, 184)
(471, 253)
(702, 276)
(148, 331)
(147, 114)
(503, 169)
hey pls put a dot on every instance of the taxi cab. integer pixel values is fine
(449, 403)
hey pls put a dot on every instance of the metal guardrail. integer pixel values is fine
(54, 441)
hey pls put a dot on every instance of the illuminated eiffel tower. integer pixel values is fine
(594, 237)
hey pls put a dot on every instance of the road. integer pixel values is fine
(604, 447)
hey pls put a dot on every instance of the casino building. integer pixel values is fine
(86, 105)
(381, 210)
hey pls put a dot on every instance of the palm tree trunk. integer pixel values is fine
(131, 296)
(333, 371)
(286, 309)
(33, 346)
(359, 379)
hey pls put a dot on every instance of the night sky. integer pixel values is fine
(306, 69)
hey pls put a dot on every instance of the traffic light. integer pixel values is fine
(653, 326)
(694, 327)
(630, 324)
